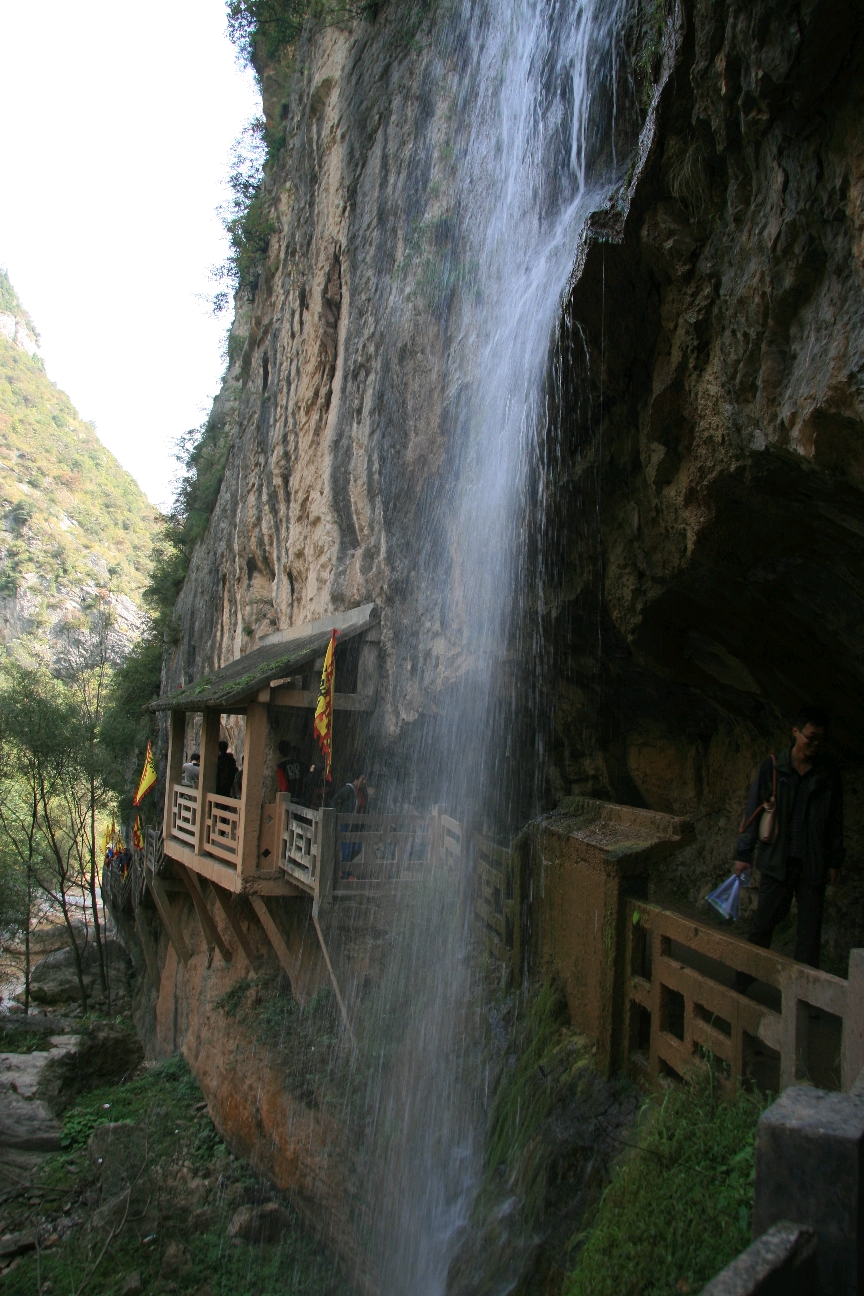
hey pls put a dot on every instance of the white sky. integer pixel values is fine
(116, 124)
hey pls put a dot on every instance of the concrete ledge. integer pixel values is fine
(782, 1262)
(810, 1165)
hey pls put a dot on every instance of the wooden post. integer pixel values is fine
(226, 903)
(148, 947)
(253, 783)
(210, 721)
(174, 773)
(434, 836)
(169, 918)
(326, 857)
(853, 1021)
(212, 935)
(333, 980)
(656, 1003)
(516, 864)
(290, 964)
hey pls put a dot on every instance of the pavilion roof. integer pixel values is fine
(277, 658)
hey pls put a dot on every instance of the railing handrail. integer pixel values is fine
(708, 1001)
(235, 802)
(187, 789)
(770, 966)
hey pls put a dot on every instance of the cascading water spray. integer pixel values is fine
(536, 148)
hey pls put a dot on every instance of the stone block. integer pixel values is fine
(581, 859)
(267, 1223)
(782, 1262)
(809, 1163)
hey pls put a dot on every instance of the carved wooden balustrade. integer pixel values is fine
(222, 827)
(322, 853)
(184, 812)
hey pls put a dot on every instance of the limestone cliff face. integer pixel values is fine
(336, 429)
(702, 492)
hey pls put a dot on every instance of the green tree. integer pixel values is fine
(85, 665)
(19, 841)
(39, 755)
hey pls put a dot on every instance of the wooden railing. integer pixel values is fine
(184, 812)
(223, 836)
(300, 845)
(446, 841)
(681, 1006)
(330, 854)
(374, 853)
(498, 901)
(335, 854)
(117, 887)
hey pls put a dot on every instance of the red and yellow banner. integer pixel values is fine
(137, 834)
(148, 776)
(323, 726)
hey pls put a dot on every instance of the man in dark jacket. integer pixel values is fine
(226, 770)
(808, 848)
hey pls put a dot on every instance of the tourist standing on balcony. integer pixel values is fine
(192, 770)
(351, 799)
(288, 770)
(805, 848)
(226, 770)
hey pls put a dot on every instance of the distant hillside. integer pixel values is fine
(75, 528)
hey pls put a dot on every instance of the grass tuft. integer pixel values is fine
(185, 1155)
(678, 1208)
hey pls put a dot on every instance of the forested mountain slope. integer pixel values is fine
(75, 528)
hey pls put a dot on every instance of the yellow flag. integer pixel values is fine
(137, 834)
(323, 726)
(148, 776)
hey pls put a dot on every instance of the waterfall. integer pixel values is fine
(535, 147)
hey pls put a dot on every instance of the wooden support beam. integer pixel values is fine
(290, 964)
(212, 935)
(326, 858)
(253, 781)
(225, 900)
(176, 741)
(307, 700)
(127, 932)
(210, 722)
(166, 913)
(341, 1002)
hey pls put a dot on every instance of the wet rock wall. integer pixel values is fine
(704, 507)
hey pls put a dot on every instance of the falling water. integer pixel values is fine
(534, 87)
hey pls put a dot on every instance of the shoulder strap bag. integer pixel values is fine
(768, 824)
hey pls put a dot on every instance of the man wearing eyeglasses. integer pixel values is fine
(805, 849)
